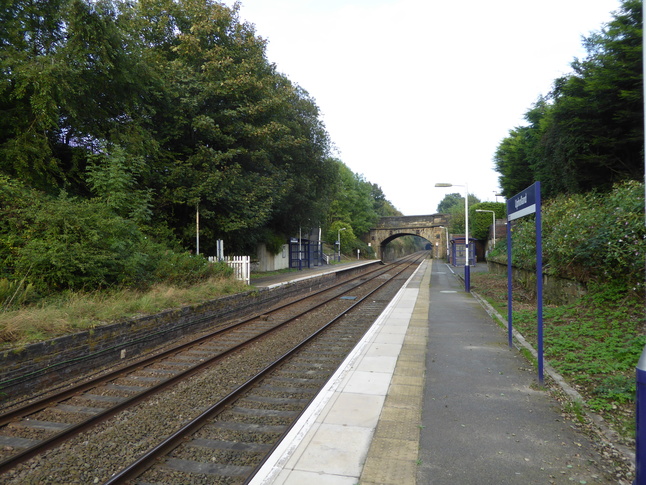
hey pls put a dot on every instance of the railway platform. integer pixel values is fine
(434, 395)
(276, 280)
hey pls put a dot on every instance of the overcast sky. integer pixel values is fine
(415, 92)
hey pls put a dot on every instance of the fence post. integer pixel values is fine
(640, 418)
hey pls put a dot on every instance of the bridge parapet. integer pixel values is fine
(413, 221)
(426, 226)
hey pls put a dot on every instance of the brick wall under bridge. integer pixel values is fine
(430, 227)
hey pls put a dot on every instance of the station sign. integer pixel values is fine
(522, 204)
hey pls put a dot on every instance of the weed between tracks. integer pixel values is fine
(594, 343)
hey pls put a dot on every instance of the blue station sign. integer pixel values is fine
(522, 204)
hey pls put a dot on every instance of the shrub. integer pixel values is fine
(589, 236)
(183, 269)
(59, 244)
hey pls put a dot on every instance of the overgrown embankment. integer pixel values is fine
(595, 341)
(592, 238)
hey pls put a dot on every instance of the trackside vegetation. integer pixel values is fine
(595, 342)
(123, 120)
(595, 238)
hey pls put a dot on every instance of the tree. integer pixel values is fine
(344, 231)
(239, 139)
(354, 201)
(482, 221)
(382, 206)
(456, 211)
(588, 132)
(449, 201)
(70, 80)
(112, 177)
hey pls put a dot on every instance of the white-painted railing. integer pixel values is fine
(241, 266)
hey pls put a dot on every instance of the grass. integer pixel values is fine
(77, 311)
(594, 343)
(73, 312)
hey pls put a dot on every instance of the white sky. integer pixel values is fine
(415, 92)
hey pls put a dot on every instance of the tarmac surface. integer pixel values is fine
(434, 395)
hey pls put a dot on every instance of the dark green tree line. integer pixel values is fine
(588, 132)
(120, 120)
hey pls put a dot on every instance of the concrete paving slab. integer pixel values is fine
(336, 450)
(356, 410)
(296, 477)
(385, 349)
(330, 442)
(367, 382)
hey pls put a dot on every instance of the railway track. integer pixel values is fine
(243, 420)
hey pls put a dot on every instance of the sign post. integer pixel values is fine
(520, 205)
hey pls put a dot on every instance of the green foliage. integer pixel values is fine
(453, 204)
(184, 269)
(274, 243)
(588, 132)
(156, 107)
(354, 201)
(595, 342)
(14, 293)
(589, 236)
(449, 202)
(54, 244)
(342, 230)
(356, 204)
(71, 244)
(482, 221)
(122, 119)
(112, 178)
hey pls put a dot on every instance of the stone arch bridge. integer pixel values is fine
(430, 227)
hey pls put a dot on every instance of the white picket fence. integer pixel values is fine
(241, 266)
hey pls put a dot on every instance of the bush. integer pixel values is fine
(589, 236)
(59, 244)
(183, 269)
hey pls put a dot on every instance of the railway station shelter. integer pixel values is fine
(458, 251)
(304, 253)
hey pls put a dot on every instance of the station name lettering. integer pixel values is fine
(520, 201)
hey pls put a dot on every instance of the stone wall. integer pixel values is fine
(556, 290)
(47, 363)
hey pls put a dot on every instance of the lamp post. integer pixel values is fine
(338, 240)
(446, 229)
(467, 269)
(493, 214)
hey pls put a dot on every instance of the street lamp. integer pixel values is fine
(338, 240)
(446, 229)
(493, 214)
(467, 269)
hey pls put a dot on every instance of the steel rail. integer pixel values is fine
(88, 423)
(145, 462)
(47, 401)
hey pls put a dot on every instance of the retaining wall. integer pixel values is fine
(47, 363)
(556, 290)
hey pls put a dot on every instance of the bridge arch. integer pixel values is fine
(430, 227)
